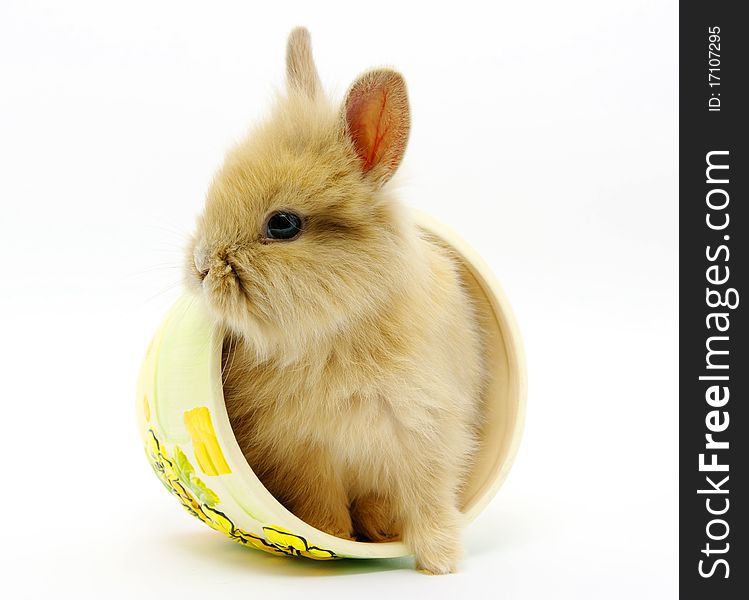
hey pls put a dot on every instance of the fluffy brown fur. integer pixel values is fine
(353, 368)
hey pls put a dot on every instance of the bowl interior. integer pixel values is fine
(503, 405)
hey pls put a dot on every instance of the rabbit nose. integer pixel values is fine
(200, 258)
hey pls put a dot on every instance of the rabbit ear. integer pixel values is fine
(377, 120)
(301, 73)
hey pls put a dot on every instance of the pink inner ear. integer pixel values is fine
(367, 117)
(377, 121)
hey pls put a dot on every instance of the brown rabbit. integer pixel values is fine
(353, 366)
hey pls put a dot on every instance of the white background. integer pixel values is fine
(544, 132)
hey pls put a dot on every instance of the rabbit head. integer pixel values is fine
(299, 238)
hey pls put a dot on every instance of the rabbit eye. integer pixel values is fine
(283, 226)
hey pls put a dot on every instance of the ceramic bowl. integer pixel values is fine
(191, 447)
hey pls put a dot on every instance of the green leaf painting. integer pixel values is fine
(186, 473)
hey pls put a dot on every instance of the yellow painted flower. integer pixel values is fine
(255, 541)
(296, 544)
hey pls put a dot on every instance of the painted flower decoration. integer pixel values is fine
(296, 544)
(178, 476)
